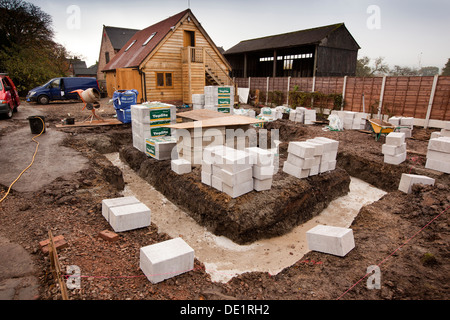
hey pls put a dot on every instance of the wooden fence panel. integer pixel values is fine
(402, 96)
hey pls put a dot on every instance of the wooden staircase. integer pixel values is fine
(214, 74)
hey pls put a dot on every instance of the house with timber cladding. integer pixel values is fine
(168, 62)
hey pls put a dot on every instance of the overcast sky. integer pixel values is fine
(409, 33)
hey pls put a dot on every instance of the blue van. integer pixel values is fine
(61, 89)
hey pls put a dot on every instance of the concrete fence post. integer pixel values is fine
(343, 92)
(381, 97)
(430, 103)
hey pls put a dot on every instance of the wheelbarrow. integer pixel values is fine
(380, 127)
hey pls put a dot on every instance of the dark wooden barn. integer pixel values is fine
(324, 51)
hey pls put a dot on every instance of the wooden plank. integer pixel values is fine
(232, 120)
(56, 267)
(106, 122)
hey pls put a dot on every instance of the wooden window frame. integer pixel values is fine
(164, 77)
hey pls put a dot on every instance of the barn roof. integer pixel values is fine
(119, 36)
(285, 40)
(142, 43)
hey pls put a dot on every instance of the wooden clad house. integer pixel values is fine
(322, 52)
(168, 62)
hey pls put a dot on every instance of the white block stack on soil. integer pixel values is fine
(408, 180)
(148, 121)
(394, 149)
(406, 124)
(166, 259)
(107, 204)
(263, 168)
(297, 115)
(351, 120)
(311, 157)
(438, 154)
(332, 240)
(237, 172)
(445, 132)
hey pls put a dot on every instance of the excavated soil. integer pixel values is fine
(406, 235)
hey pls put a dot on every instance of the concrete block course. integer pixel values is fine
(396, 160)
(297, 172)
(129, 217)
(332, 240)
(166, 259)
(239, 189)
(393, 150)
(232, 179)
(301, 149)
(438, 165)
(107, 204)
(262, 173)
(441, 144)
(261, 185)
(408, 180)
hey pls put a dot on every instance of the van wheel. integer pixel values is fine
(43, 99)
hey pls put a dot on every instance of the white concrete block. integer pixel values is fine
(238, 190)
(216, 183)
(444, 133)
(206, 178)
(436, 134)
(107, 204)
(393, 150)
(439, 156)
(129, 217)
(397, 159)
(332, 145)
(407, 122)
(181, 166)
(263, 172)
(332, 240)
(407, 132)
(295, 171)
(319, 147)
(438, 165)
(394, 121)
(261, 185)
(232, 179)
(260, 157)
(304, 163)
(301, 149)
(206, 166)
(408, 180)
(314, 170)
(166, 259)
(324, 167)
(395, 138)
(441, 144)
(332, 165)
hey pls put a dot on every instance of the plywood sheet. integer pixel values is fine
(202, 114)
(229, 121)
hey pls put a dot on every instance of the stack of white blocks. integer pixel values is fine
(148, 121)
(438, 154)
(303, 115)
(237, 172)
(166, 259)
(198, 101)
(394, 149)
(263, 168)
(406, 124)
(445, 132)
(311, 157)
(161, 148)
(408, 180)
(331, 240)
(126, 213)
(181, 166)
(352, 120)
